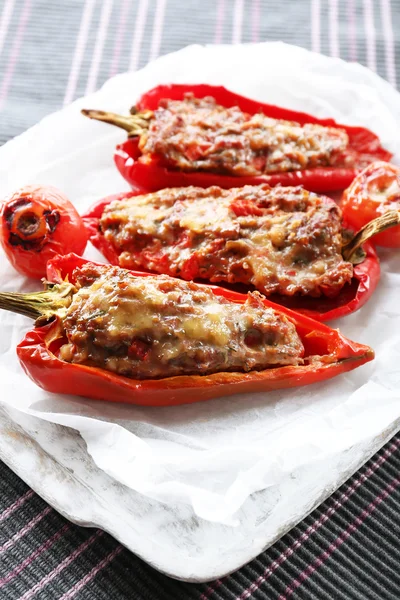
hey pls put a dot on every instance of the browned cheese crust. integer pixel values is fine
(198, 134)
(152, 327)
(280, 240)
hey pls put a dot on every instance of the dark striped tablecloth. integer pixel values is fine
(53, 51)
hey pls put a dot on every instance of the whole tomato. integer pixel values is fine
(373, 192)
(36, 223)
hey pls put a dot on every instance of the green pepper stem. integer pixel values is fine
(135, 124)
(389, 219)
(54, 300)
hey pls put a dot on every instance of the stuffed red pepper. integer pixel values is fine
(112, 334)
(285, 242)
(204, 135)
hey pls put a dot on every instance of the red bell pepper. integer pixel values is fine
(327, 353)
(351, 297)
(364, 146)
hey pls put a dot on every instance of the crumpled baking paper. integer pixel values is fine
(214, 455)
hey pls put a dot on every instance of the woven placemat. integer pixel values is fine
(54, 52)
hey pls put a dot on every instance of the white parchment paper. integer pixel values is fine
(213, 456)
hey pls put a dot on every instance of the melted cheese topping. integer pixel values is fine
(281, 240)
(158, 326)
(140, 311)
(198, 134)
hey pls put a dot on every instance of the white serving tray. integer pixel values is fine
(198, 491)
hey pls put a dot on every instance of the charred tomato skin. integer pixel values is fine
(38, 222)
(372, 193)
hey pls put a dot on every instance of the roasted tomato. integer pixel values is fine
(36, 223)
(373, 192)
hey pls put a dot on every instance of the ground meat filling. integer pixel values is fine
(151, 327)
(198, 134)
(280, 240)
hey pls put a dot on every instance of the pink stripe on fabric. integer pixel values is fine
(315, 25)
(237, 22)
(351, 20)
(370, 34)
(6, 15)
(67, 561)
(15, 48)
(219, 22)
(386, 13)
(79, 51)
(157, 29)
(99, 45)
(339, 540)
(138, 34)
(255, 21)
(45, 546)
(333, 28)
(13, 507)
(119, 36)
(80, 584)
(25, 530)
(211, 588)
(320, 521)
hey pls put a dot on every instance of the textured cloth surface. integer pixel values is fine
(50, 54)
